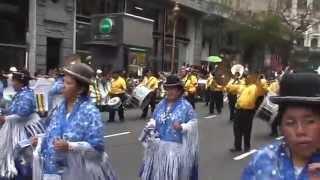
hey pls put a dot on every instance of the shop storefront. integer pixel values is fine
(121, 41)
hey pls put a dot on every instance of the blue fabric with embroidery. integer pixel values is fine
(1, 89)
(23, 103)
(274, 162)
(56, 89)
(181, 112)
(83, 124)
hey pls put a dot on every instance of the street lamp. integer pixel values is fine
(175, 12)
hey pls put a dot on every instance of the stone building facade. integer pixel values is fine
(51, 33)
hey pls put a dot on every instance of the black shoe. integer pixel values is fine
(234, 150)
(246, 150)
(110, 121)
(121, 120)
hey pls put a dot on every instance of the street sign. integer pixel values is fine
(106, 25)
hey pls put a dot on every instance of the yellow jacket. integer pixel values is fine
(209, 80)
(230, 88)
(118, 86)
(214, 86)
(246, 96)
(274, 87)
(190, 83)
(262, 87)
(151, 83)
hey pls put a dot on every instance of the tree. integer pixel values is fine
(300, 19)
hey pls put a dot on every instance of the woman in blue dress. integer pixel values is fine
(172, 152)
(19, 122)
(73, 146)
(296, 156)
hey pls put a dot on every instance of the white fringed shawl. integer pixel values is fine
(14, 130)
(89, 165)
(165, 160)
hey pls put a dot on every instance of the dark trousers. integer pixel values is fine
(242, 127)
(216, 101)
(232, 99)
(207, 97)
(191, 99)
(152, 103)
(120, 110)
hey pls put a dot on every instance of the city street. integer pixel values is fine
(216, 138)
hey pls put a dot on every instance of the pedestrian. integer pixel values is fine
(152, 83)
(98, 92)
(173, 155)
(245, 105)
(232, 95)
(73, 145)
(211, 83)
(2, 86)
(118, 89)
(19, 122)
(296, 156)
(55, 92)
(190, 85)
(218, 90)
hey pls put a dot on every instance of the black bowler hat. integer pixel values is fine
(80, 71)
(299, 88)
(22, 76)
(173, 81)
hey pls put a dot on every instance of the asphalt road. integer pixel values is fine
(216, 138)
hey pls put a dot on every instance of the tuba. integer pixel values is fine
(238, 68)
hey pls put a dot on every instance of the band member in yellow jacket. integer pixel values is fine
(245, 105)
(216, 95)
(207, 88)
(118, 89)
(232, 94)
(151, 82)
(190, 86)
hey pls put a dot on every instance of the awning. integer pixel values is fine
(101, 43)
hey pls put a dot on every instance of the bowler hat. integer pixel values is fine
(173, 81)
(299, 88)
(22, 76)
(80, 71)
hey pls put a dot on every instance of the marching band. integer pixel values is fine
(247, 95)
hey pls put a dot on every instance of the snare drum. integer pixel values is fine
(141, 97)
(114, 103)
(267, 110)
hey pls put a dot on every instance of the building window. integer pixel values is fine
(314, 43)
(302, 4)
(14, 25)
(316, 5)
(287, 4)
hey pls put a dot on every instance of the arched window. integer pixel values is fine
(314, 43)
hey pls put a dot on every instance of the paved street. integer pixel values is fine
(216, 162)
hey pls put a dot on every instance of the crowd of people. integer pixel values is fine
(63, 140)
